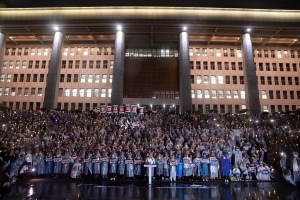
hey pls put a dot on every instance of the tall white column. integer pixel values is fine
(184, 73)
(251, 85)
(118, 71)
(51, 91)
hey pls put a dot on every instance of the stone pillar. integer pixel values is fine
(2, 47)
(184, 73)
(118, 72)
(51, 91)
(251, 85)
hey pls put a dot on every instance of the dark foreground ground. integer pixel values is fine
(58, 189)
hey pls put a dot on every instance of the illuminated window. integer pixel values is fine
(213, 79)
(279, 54)
(198, 79)
(206, 94)
(191, 52)
(211, 52)
(82, 79)
(199, 94)
(206, 79)
(235, 94)
(214, 94)
(74, 92)
(243, 94)
(265, 108)
(65, 53)
(218, 52)
(32, 51)
(78, 52)
(92, 51)
(103, 92)
(96, 92)
(104, 78)
(109, 92)
(72, 51)
(26, 90)
(85, 51)
(228, 94)
(88, 92)
(221, 94)
(90, 78)
(40, 90)
(81, 92)
(193, 94)
(204, 52)
(110, 78)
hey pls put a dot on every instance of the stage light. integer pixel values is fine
(119, 28)
(56, 28)
(184, 28)
(248, 29)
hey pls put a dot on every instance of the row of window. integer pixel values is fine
(282, 79)
(23, 64)
(235, 94)
(239, 66)
(68, 77)
(84, 64)
(237, 108)
(151, 52)
(215, 52)
(21, 92)
(67, 92)
(72, 51)
(216, 79)
(218, 52)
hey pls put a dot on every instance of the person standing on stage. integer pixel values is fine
(204, 166)
(49, 165)
(88, 170)
(166, 167)
(159, 167)
(57, 164)
(129, 167)
(121, 166)
(172, 163)
(197, 168)
(179, 167)
(186, 165)
(113, 160)
(104, 165)
(137, 166)
(96, 164)
(151, 161)
(214, 166)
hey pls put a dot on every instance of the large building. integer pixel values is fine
(163, 58)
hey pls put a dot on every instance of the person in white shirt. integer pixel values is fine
(236, 172)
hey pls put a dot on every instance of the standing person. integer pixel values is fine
(214, 166)
(179, 167)
(104, 165)
(121, 166)
(49, 165)
(96, 164)
(191, 168)
(88, 171)
(129, 167)
(296, 166)
(113, 160)
(197, 168)
(166, 167)
(204, 166)
(57, 164)
(137, 166)
(66, 159)
(186, 166)
(159, 167)
(283, 163)
(150, 160)
(41, 168)
(76, 169)
(5, 183)
(237, 156)
(172, 163)
(226, 167)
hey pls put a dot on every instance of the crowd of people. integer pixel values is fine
(198, 147)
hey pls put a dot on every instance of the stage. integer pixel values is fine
(132, 190)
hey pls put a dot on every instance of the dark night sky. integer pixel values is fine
(262, 4)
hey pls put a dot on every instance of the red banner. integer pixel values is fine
(141, 110)
(127, 108)
(102, 109)
(134, 108)
(121, 110)
(108, 109)
(115, 108)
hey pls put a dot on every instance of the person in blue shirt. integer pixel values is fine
(179, 167)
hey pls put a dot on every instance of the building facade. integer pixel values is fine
(161, 58)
